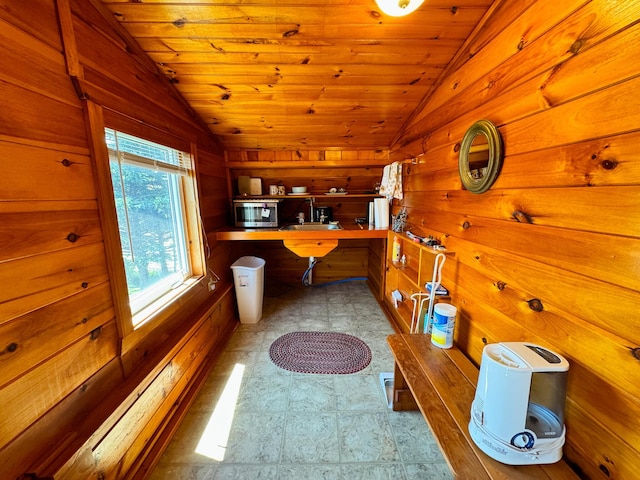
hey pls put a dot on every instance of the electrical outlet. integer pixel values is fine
(211, 285)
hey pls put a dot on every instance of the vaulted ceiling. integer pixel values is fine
(300, 74)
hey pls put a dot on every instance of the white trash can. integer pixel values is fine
(248, 278)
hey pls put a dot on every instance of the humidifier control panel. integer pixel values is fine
(546, 354)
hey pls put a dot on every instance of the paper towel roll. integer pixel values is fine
(381, 212)
(371, 214)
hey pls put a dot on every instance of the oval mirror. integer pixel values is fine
(480, 156)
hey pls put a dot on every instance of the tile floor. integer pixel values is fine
(272, 424)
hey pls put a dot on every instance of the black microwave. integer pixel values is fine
(255, 213)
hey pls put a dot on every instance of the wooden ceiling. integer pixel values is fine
(300, 74)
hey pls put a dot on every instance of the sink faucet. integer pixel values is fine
(311, 209)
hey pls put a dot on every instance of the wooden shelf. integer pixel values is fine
(407, 270)
(409, 277)
(348, 231)
(441, 383)
(306, 196)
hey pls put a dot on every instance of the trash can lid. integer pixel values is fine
(249, 262)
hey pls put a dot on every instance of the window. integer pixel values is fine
(154, 195)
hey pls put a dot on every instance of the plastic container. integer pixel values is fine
(397, 248)
(248, 278)
(444, 322)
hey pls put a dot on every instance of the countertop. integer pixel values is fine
(348, 231)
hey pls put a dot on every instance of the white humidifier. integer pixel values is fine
(517, 416)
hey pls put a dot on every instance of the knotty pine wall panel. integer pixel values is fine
(352, 170)
(213, 191)
(61, 376)
(47, 173)
(68, 320)
(147, 413)
(44, 441)
(25, 111)
(376, 267)
(549, 253)
(138, 457)
(53, 229)
(42, 27)
(349, 259)
(552, 207)
(43, 66)
(594, 162)
(49, 277)
(32, 395)
(318, 180)
(258, 158)
(109, 59)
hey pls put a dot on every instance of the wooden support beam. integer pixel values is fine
(69, 39)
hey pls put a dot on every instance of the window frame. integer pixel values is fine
(180, 189)
(132, 329)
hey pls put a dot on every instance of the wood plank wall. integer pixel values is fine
(357, 171)
(560, 80)
(349, 259)
(70, 405)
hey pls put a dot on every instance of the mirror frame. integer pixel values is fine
(489, 130)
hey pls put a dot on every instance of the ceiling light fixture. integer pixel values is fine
(399, 8)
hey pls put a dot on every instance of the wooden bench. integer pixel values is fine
(441, 383)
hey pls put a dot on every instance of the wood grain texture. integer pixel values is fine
(45, 441)
(564, 106)
(69, 320)
(31, 396)
(348, 232)
(438, 380)
(273, 76)
(450, 438)
(308, 248)
(330, 101)
(376, 267)
(63, 375)
(409, 278)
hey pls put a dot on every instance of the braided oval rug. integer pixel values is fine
(320, 352)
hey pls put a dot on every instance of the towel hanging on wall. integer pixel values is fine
(391, 184)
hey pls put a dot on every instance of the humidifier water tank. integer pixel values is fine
(517, 416)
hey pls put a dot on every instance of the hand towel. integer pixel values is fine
(391, 183)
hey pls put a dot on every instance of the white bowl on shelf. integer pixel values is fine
(299, 189)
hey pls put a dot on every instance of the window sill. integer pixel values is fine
(156, 314)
